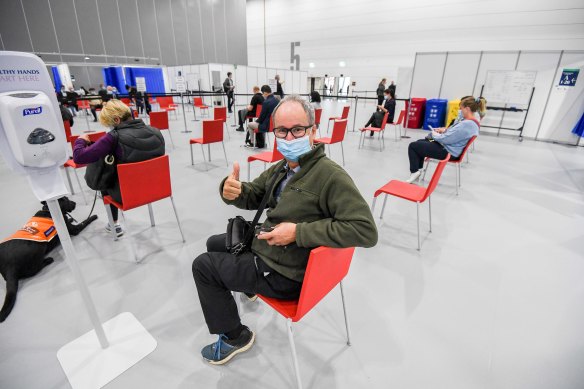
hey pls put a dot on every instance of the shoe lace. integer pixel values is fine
(218, 344)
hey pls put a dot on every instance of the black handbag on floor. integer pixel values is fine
(240, 231)
(103, 174)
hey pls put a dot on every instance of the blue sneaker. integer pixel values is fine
(221, 352)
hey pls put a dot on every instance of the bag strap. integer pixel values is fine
(249, 235)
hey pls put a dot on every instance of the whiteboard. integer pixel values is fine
(509, 86)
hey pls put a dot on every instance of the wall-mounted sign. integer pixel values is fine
(141, 84)
(294, 58)
(569, 77)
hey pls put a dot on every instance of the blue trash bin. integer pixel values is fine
(436, 110)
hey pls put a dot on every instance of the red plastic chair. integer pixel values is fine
(160, 120)
(257, 114)
(212, 133)
(142, 183)
(67, 126)
(94, 137)
(266, 157)
(337, 136)
(317, 117)
(456, 161)
(380, 132)
(399, 123)
(344, 115)
(411, 192)
(83, 105)
(198, 103)
(220, 113)
(326, 268)
(167, 104)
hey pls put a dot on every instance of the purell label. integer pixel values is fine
(32, 111)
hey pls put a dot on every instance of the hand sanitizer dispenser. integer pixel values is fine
(33, 132)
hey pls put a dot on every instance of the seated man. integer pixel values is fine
(313, 202)
(251, 108)
(263, 122)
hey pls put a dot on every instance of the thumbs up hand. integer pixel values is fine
(232, 185)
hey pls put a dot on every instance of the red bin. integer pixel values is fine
(415, 118)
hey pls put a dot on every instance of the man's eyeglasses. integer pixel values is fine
(297, 132)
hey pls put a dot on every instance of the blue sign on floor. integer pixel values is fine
(569, 77)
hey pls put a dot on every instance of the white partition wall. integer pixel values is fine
(553, 111)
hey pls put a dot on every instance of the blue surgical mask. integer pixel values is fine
(293, 149)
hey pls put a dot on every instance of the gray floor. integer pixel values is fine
(493, 300)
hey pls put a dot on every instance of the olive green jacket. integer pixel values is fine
(324, 203)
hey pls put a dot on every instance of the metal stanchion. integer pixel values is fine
(234, 112)
(355, 114)
(87, 121)
(409, 106)
(182, 102)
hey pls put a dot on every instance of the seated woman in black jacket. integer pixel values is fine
(130, 140)
(388, 106)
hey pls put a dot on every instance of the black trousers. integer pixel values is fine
(380, 100)
(421, 149)
(217, 273)
(241, 114)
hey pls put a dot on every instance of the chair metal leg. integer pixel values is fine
(69, 181)
(177, 219)
(425, 169)
(457, 177)
(379, 139)
(226, 130)
(80, 187)
(346, 316)
(130, 239)
(171, 141)
(204, 158)
(343, 153)
(373, 204)
(248, 170)
(361, 139)
(152, 223)
(383, 208)
(110, 219)
(265, 166)
(209, 150)
(192, 159)
(430, 211)
(294, 357)
(225, 154)
(418, 221)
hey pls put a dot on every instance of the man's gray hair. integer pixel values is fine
(297, 99)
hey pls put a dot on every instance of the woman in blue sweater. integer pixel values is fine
(443, 141)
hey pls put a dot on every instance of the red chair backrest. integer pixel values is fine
(339, 131)
(461, 157)
(212, 131)
(125, 100)
(93, 136)
(384, 121)
(68, 131)
(83, 104)
(435, 178)
(159, 120)
(345, 114)
(326, 268)
(400, 119)
(220, 113)
(135, 114)
(317, 115)
(164, 102)
(198, 101)
(276, 154)
(144, 182)
(258, 111)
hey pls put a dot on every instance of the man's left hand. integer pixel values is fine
(282, 235)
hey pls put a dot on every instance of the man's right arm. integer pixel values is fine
(249, 195)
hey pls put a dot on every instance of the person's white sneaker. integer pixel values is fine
(414, 177)
(119, 231)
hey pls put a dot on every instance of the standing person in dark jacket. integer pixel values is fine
(313, 203)
(130, 140)
(251, 109)
(263, 122)
(389, 107)
(72, 97)
(279, 90)
(228, 89)
(392, 87)
(380, 90)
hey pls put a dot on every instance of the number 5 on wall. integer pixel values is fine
(294, 58)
